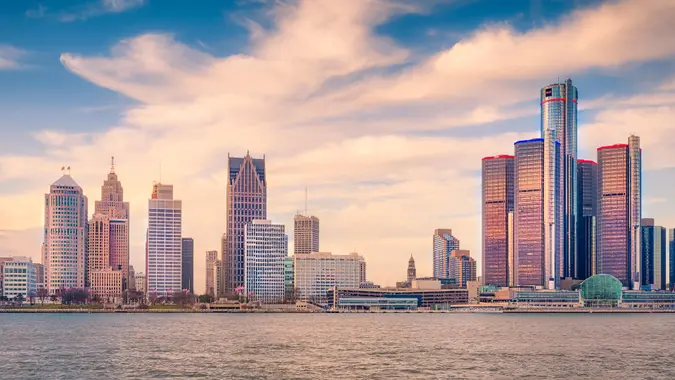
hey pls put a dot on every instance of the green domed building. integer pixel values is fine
(601, 290)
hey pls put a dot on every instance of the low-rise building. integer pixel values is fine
(140, 282)
(106, 284)
(19, 278)
(433, 299)
(317, 273)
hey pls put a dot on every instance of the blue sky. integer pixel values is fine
(381, 108)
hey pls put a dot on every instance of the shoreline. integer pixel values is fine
(191, 311)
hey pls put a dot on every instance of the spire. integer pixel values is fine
(112, 164)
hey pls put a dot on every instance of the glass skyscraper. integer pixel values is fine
(587, 175)
(444, 244)
(246, 201)
(187, 264)
(529, 235)
(497, 203)
(559, 123)
(654, 258)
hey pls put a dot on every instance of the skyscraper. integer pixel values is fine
(497, 203)
(654, 258)
(305, 234)
(587, 176)
(266, 246)
(670, 276)
(246, 201)
(164, 243)
(614, 224)
(412, 272)
(65, 235)
(211, 258)
(466, 267)
(559, 123)
(444, 244)
(187, 264)
(635, 204)
(529, 230)
(112, 197)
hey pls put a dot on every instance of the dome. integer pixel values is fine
(601, 290)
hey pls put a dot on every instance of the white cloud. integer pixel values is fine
(311, 94)
(9, 57)
(84, 12)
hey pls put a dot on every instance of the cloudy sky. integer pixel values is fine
(382, 109)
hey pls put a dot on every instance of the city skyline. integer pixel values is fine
(388, 140)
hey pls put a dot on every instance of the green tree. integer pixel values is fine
(205, 298)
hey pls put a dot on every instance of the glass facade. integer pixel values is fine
(635, 204)
(444, 244)
(246, 201)
(497, 203)
(188, 264)
(601, 290)
(587, 175)
(529, 213)
(653, 256)
(559, 123)
(613, 214)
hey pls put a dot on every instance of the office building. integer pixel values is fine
(39, 274)
(219, 285)
(316, 273)
(465, 267)
(266, 246)
(141, 282)
(211, 258)
(164, 242)
(635, 204)
(587, 198)
(528, 220)
(654, 249)
(289, 279)
(559, 125)
(106, 285)
(187, 264)
(305, 234)
(444, 244)
(19, 278)
(670, 268)
(3, 260)
(497, 203)
(616, 212)
(362, 270)
(412, 271)
(112, 202)
(65, 236)
(132, 278)
(119, 248)
(246, 201)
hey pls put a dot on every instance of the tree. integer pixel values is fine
(54, 298)
(19, 299)
(152, 297)
(42, 293)
(179, 297)
(205, 298)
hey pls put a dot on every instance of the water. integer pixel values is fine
(330, 346)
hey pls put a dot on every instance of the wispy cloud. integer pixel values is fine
(10, 57)
(94, 9)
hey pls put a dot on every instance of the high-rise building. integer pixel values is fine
(654, 255)
(528, 220)
(19, 278)
(132, 278)
(39, 274)
(316, 273)
(65, 236)
(187, 264)
(670, 267)
(587, 198)
(615, 224)
(412, 271)
(362, 270)
(465, 267)
(289, 279)
(305, 234)
(444, 244)
(119, 248)
(98, 247)
(635, 204)
(559, 124)
(141, 282)
(3, 260)
(246, 201)
(164, 242)
(266, 246)
(497, 203)
(112, 201)
(219, 279)
(211, 258)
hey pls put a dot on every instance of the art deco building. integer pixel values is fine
(266, 246)
(412, 271)
(164, 242)
(65, 236)
(497, 203)
(246, 201)
(305, 234)
(211, 258)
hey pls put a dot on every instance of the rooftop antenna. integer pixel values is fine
(112, 164)
(63, 169)
(68, 169)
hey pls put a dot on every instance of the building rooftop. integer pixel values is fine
(66, 181)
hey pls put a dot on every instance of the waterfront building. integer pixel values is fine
(316, 273)
(559, 125)
(39, 274)
(266, 246)
(587, 176)
(529, 230)
(289, 279)
(412, 271)
(65, 236)
(655, 267)
(362, 270)
(3, 260)
(465, 267)
(635, 204)
(670, 278)
(497, 205)
(19, 278)
(373, 298)
(444, 244)
(164, 242)
(141, 282)
(305, 234)
(219, 286)
(246, 201)
(132, 278)
(211, 258)
(106, 284)
(616, 212)
(187, 264)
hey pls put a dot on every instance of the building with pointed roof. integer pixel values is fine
(65, 236)
(412, 272)
(246, 201)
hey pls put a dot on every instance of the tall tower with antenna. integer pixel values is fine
(305, 232)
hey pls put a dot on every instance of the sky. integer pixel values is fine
(381, 109)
